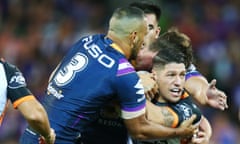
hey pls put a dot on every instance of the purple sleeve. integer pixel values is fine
(192, 71)
(130, 91)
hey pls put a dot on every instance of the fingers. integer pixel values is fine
(199, 138)
(213, 83)
(217, 99)
(150, 94)
(49, 139)
(53, 137)
(201, 134)
(188, 129)
(41, 140)
(222, 99)
(221, 94)
(192, 118)
(149, 84)
(222, 103)
(189, 121)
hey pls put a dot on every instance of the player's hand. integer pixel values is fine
(216, 98)
(187, 128)
(149, 84)
(50, 139)
(200, 138)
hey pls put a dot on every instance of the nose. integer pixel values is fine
(178, 81)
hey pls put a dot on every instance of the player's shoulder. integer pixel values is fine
(192, 67)
(7, 65)
(11, 70)
(2, 61)
(124, 67)
(185, 94)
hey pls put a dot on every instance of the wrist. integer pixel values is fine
(178, 132)
(48, 136)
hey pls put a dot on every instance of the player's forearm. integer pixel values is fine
(197, 86)
(40, 123)
(206, 127)
(36, 116)
(156, 131)
(142, 129)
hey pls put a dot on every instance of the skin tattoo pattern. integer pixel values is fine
(168, 117)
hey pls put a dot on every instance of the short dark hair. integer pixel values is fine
(148, 7)
(126, 20)
(182, 42)
(167, 53)
(129, 12)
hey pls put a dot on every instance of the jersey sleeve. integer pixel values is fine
(17, 91)
(130, 91)
(192, 71)
(194, 108)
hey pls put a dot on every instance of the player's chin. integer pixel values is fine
(174, 98)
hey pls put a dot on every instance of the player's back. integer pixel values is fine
(80, 84)
(88, 77)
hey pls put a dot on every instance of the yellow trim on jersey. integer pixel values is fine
(175, 117)
(185, 95)
(23, 99)
(115, 46)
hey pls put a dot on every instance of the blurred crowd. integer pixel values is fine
(35, 35)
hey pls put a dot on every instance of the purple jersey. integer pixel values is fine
(91, 75)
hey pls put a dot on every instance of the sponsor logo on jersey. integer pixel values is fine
(124, 67)
(17, 81)
(187, 111)
(54, 92)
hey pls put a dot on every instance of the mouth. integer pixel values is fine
(176, 92)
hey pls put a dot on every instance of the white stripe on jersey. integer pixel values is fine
(124, 66)
(133, 114)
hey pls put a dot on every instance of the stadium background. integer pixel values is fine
(35, 34)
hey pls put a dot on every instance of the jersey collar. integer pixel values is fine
(114, 45)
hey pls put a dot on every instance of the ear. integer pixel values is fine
(158, 32)
(154, 74)
(133, 36)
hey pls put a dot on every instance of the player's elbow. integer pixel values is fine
(138, 134)
(137, 128)
(202, 98)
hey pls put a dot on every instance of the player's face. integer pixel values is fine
(170, 79)
(153, 28)
(145, 56)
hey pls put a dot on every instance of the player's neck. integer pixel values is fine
(161, 99)
(119, 44)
